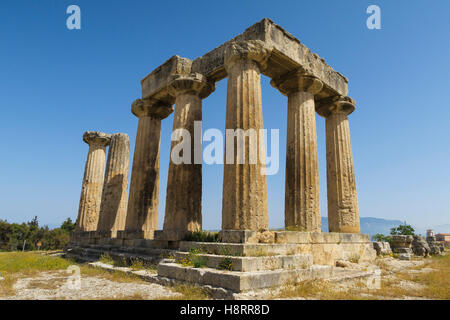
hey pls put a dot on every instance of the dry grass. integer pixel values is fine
(7, 285)
(317, 289)
(135, 296)
(434, 284)
(49, 284)
(117, 276)
(106, 258)
(30, 263)
(135, 264)
(188, 292)
(424, 285)
(17, 265)
(295, 228)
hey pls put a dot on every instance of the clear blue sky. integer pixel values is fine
(56, 83)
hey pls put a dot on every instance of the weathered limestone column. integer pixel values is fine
(184, 185)
(244, 204)
(302, 196)
(113, 209)
(142, 213)
(343, 213)
(94, 174)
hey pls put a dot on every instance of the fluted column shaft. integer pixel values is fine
(302, 198)
(244, 204)
(184, 184)
(114, 198)
(302, 195)
(142, 212)
(343, 215)
(92, 186)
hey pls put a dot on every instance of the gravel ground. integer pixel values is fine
(56, 285)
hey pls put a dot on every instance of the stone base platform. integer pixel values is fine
(89, 253)
(168, 239)
(84, 237)
(248, 264)
(245, 262)
(325, 248)
(108, 238)
(241, 281)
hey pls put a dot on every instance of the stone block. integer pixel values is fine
(404, 256)
(287, 53)
(155, 84)
(239, 236)
(241, 281)
(170, 235)
(382, 248)
(420, 246)
(135, 234)
(247, 264)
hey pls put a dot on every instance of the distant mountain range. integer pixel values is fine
(370, 225)
(373, 226)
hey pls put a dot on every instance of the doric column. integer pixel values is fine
(302, 196)
(94, 174)
(244, 204)
(184, 184)
(343, 213)
(113, 209)
(142, 213)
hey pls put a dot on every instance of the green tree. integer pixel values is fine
(403, 229)
(14, 236)
(5, 230)
(17, 236)
(55, 239)
(68, 225)
(33, 234)
(379, 237)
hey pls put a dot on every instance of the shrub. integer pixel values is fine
(295, 228)
(199, 262)
(25, 236)
(202, 236)
(380, 238)
(193, 259)
(106, 258)
(403, 229)
(137, 264)
(354, 258)
(226, 264)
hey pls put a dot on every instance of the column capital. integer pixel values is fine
(151, 107)
(254, 50)
(97, 138)
(195, 83)
(338, 103)
(298, 80)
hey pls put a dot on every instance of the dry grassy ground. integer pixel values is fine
(39, 276)
(419, 279)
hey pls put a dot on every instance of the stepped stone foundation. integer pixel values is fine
(246, 255)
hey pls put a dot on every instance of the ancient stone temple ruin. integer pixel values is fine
(254, 257)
